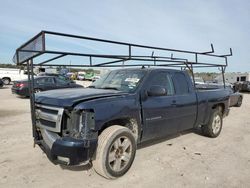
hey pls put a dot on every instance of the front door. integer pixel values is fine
(159, 112)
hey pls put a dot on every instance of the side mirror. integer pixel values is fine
(156, 91)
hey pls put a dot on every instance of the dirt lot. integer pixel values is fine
(186, 160)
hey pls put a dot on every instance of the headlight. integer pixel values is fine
(86, 123)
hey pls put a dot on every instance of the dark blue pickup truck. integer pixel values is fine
(105, 122)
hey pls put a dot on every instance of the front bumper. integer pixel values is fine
(66, 150)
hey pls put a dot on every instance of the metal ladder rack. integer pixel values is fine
(37, 47)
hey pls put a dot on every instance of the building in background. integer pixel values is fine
(232, 77)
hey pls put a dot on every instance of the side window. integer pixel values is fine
(61, 81)
(45, 81)
(163, 79)
(243, 78)
(180, 83)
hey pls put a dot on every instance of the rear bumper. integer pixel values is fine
(66, 150)
(21, 92)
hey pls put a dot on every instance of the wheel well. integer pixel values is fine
(221, 106)
(130, 123)
(6, 78)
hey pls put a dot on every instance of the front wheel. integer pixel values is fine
(213, 127)
(115, 152)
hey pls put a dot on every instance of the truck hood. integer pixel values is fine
(69, 97)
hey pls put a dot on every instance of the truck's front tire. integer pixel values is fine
(115, 152)
(213, 127)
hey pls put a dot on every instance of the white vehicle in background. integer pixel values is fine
(199, 80)
(81, 75)
(9, 75)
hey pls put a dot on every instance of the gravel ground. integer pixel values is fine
(184, 160)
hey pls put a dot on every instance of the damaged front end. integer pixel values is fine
(66, 136)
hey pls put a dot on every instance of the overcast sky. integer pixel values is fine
(188, 25)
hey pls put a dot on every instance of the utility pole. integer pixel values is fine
(69, 65)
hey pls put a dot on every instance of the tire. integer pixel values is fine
(115, 152)
(239, 102)
(213, 127)
(6, 81)
(37, 90)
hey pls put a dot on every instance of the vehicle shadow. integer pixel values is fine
(4, 87)
(88, 166)
(245, 92)
(83, 167)
(170, 137)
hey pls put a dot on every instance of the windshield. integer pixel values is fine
(121, 80)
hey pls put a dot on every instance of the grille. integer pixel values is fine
(49, 118)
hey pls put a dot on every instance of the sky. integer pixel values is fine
(188, 25)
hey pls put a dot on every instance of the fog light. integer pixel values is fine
(63, 159)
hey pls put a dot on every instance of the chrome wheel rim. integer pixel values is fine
(5, 81)
(120, 153)
(216, 125)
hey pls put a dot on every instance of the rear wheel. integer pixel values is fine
(6, 81)
(213, 127)
(115, 152)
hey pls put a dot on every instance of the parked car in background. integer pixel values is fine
(96, 77)
(199, 80)
(71, 75)
(235, 97)
(9, 75)
(89, 76)
(1, 83)
(81, 75)
(42, 83)
(57, 75)
(245, 86)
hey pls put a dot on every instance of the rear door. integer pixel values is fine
(159, 112)
(45, 83)
(186, 101)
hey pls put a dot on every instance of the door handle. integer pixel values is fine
(173, 103)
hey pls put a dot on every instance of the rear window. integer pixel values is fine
(180, 83)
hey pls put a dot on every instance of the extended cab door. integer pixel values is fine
(160, 112)
(186, 101)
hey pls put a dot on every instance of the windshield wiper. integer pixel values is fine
(114, 88)
(91, 86)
